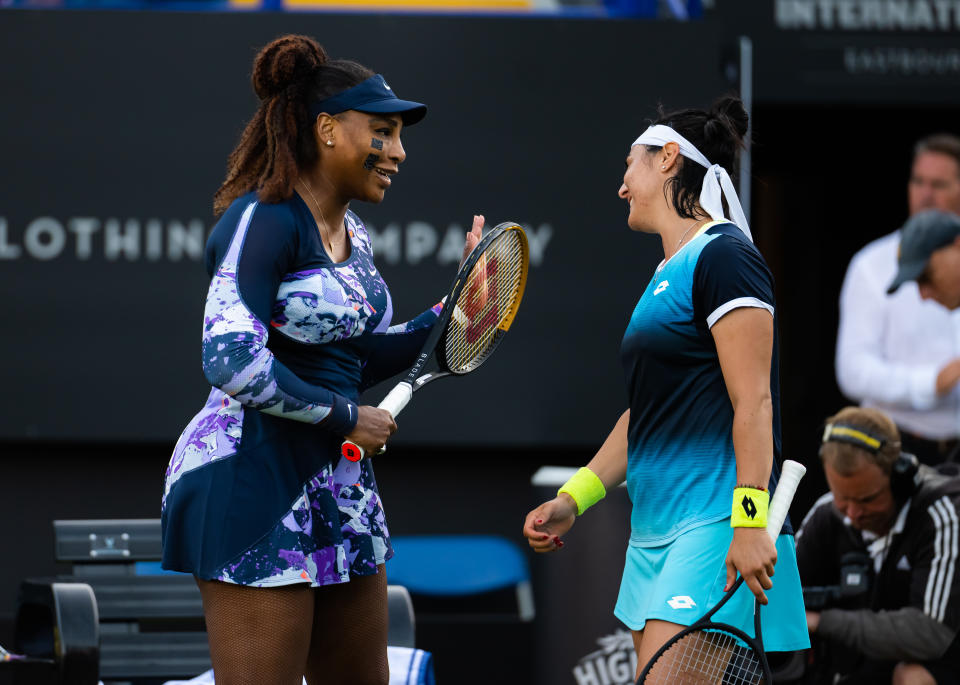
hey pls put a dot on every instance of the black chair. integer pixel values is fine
(57, 625)
(150, 622)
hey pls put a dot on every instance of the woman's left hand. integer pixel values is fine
(473, 237)
(752, 554)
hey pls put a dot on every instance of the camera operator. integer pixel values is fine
(882, 546)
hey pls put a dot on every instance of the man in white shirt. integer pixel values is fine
(901, 353)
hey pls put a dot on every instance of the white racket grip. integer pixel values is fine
(397, 398)
(790, 477)
(394, 402)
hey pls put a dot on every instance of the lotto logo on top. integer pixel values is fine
(661, 286)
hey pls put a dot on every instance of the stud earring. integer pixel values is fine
(330, 143)
(663, 166)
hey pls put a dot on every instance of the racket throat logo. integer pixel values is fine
(421, 360)
(423, 380)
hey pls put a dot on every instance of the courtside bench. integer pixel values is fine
(150, 621)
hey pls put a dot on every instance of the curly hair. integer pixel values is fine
(288, 74)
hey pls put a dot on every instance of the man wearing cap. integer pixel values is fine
(930, 255)
(900, 352)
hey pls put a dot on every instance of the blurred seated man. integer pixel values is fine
(897, 352)
(892, 617)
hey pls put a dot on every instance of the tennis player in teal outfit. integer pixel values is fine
(703, 427)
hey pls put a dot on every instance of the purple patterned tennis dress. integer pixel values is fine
(256, 492)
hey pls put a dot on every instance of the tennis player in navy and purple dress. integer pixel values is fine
(287, 540)
(701, 366)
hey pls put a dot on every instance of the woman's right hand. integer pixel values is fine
(545, 524)
(373, 428)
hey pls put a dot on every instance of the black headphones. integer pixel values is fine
(904, 472)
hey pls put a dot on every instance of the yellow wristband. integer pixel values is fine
(749, 508)
(585, 488)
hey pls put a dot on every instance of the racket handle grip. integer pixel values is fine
(790, 477)
(397, 398)
(394, 403)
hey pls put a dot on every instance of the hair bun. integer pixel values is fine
(729, 109)
(286, 61)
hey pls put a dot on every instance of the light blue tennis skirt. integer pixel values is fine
(680, 581)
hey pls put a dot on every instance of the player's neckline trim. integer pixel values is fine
(346, 225)
(700, 231)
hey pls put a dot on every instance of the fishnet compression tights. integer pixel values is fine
(334, 635)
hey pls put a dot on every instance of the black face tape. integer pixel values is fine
(376, 144)
(370, 161)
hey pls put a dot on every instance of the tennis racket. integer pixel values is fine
(477, 312)
(708, 652)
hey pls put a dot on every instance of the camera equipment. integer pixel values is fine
(854, 582)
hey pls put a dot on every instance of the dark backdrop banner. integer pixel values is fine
(858, 52)
(115, 128)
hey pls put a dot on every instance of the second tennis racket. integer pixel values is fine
(477, 312)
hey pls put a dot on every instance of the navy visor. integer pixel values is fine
(372, 96)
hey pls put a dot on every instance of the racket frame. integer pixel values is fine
(790, 476)
(705, 624)
(402, 392)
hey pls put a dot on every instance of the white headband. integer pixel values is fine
(716, 182)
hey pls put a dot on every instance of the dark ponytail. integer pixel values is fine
(718, 133)
(288, 74)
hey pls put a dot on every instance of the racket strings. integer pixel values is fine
(713, 657)
(489, 298)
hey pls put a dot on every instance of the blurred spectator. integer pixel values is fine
(930, 255)
(878, 560)
(898, 352)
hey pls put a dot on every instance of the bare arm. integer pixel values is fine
(610, 461)
(948, 377)
(744, 340)
(905, 633)
(545, 524)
